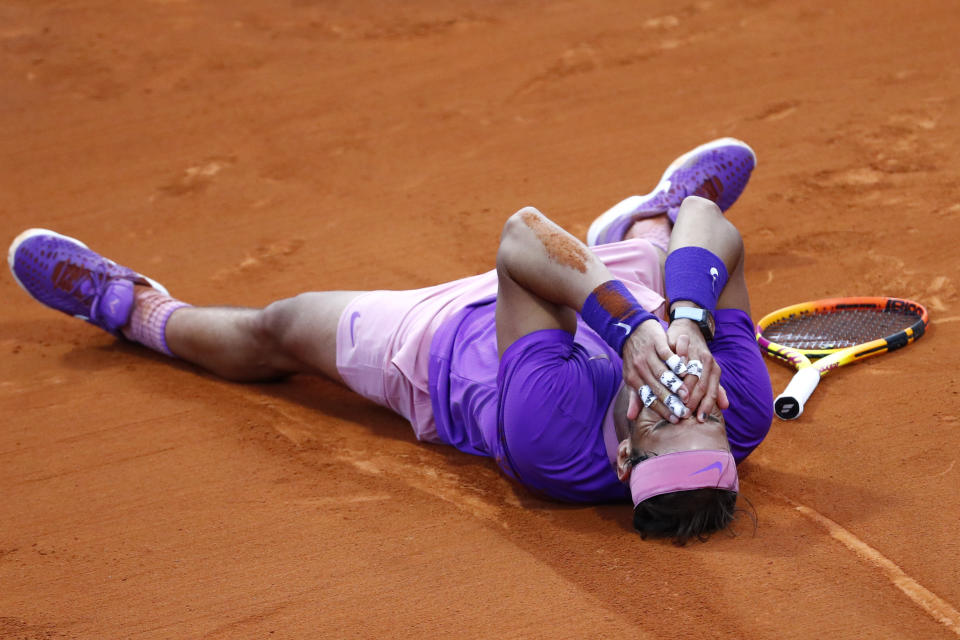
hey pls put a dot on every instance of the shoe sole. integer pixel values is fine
(29, 233)
(606, 219)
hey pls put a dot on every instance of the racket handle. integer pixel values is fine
(789, 404)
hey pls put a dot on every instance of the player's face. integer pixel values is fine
(652, 434)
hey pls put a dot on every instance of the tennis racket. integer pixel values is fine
(834, 332)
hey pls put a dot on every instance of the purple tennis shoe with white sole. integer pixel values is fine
(718, 170)
(65, 275)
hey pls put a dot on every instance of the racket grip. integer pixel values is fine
(789, 404)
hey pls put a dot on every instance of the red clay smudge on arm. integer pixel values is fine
(560, 247)
(614, 302)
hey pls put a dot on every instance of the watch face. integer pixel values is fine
(691, 313)
(701, 316)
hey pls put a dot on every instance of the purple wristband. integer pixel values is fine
(613, 312)
(695, 274)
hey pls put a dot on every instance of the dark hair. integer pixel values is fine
(682, 515)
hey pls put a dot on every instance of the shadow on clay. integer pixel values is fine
(288, 396)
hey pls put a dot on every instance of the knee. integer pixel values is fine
(707, 219)
(520, 222)
(512, 237)
(699, 208)
(274, 323)
(273, 341)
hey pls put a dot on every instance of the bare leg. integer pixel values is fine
(296, 335)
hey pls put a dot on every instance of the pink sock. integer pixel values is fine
(148, 321)
(655, 230)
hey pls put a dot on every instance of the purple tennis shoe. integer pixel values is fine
(64, 274)
(718, 170)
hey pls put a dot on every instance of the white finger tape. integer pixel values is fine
(695, 368)
(675, 364)
(670, 381)
(646, 395)
(675, 405)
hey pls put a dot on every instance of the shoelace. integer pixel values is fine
(711, 188)
(85, 285)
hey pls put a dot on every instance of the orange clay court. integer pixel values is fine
(243, 151)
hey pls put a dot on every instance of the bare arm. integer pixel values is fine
(700, 223)
(545, 276)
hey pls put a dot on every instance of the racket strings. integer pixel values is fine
(837, 329)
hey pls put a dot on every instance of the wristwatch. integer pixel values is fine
(702, 317)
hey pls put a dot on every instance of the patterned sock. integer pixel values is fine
(148, 321)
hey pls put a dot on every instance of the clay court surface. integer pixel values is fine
(243, 151)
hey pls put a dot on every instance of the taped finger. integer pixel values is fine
(675, 364)
(647, 397)
(675, 405)
(695, 368)
(670, 381)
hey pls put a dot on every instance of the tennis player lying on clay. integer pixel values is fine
(560, 364)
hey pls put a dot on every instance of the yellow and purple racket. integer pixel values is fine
(834, 332)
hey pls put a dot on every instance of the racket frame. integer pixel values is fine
(789, 404)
